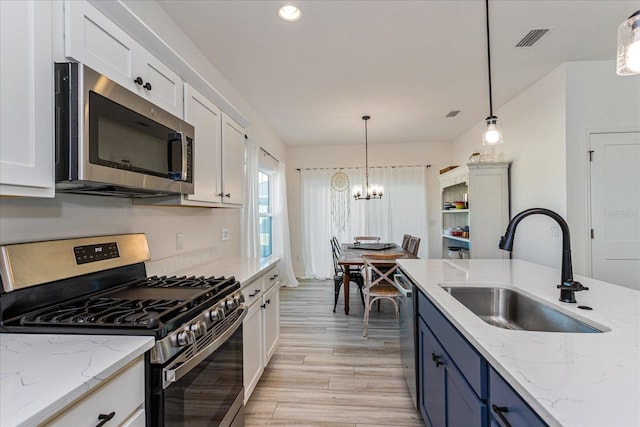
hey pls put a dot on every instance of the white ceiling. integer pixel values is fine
(405, 63)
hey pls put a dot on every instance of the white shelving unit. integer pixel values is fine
(486, 189)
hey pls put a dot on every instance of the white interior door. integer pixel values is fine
(615, 208)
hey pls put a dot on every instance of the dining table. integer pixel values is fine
(351, 255)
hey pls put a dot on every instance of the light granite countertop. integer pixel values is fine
(569, 379)
(42, 374)
(243, 269)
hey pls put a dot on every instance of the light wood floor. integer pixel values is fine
(324, 373)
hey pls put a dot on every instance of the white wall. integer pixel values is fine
(73, 216)
(598, 100)
(546, 131)
(438, 155)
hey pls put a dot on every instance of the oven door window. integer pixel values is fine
(205, 395)
(123, 139)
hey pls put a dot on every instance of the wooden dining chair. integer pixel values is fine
(414, 245)
(405, 241)
(355, 275)
(379, 271)
(361, 239)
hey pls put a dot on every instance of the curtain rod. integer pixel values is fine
(360, 167)
(269, 154)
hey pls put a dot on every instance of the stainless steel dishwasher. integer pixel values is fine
(407, 310)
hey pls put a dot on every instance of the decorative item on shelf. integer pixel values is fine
(447, 169)
(628, 57)
(492, 134)
(373, 191)
(474, 157)
(447, 205)
(459, 205)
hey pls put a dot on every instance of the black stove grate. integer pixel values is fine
(147, 303)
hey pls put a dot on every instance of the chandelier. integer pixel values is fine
(628, 61)
(373, 191)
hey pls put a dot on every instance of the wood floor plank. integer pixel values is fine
(324, 373)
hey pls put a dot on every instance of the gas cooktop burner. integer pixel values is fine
(144, 303)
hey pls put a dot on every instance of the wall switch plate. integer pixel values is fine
(225, 234)
(554, 231)
(179, 241)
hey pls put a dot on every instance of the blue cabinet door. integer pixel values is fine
(463, 406)
(431, 378)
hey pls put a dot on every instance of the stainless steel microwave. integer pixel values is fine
(111, 141)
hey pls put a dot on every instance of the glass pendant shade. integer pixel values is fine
(628, 57)
(492, 134)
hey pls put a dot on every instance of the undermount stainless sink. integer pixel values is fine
(510, 309)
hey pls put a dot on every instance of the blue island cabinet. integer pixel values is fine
(456, 385)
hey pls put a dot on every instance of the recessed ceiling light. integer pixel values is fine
(289, 13)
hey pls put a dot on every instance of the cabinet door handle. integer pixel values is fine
(138, 80)
(499, 410)
(273, 277)
(256, 292)
(220, 194)
(105, 418)
(436, 359)
(263, 305)
(268, 301)
(227, 195)
(147, 86)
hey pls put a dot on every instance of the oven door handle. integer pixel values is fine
(172, 375)
(399, 283)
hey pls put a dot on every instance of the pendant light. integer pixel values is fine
(492, 134)
(373, 191)
(628, 58)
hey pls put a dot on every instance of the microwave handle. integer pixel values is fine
(177, 156)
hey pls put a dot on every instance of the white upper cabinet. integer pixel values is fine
(205, 117)
(93, 39)
(26, 99)
(232, 162)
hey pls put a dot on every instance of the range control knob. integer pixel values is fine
(186, 338)
(230, 303)
(199, 328)
(216, 314)
(238, 299)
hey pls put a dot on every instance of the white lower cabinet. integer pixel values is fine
(120, 398)
(261, 326)
(26, 99)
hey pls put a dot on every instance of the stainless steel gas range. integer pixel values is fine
(98, 285)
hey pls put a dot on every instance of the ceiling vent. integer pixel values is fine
(532, 37)
(453, 113)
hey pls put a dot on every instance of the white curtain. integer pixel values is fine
(251, 230)
(281, 240)
(402, 210)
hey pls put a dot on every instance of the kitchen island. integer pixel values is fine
(568, 379)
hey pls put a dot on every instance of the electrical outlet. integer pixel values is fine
(225, 234)
(554, 231)
(179, 241)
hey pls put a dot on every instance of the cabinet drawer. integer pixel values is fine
(123, 394)
(503, 396)
(253, 292)
(271, 278)
(464, 356)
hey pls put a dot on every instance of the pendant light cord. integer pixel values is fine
(489, 61)
(366, 153)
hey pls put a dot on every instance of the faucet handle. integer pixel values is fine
(571, 285)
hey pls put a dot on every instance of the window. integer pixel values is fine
(265, 213)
